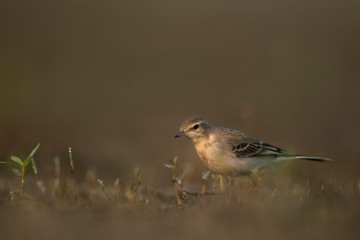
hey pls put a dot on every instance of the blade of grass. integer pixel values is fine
(72, 172)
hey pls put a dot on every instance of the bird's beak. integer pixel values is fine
(179, 134)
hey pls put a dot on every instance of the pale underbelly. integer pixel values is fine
(222, 162)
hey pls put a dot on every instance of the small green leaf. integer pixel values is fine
(32, 153)
(16, 172)
(10, 163)
(34, 150)
(34, 166)
(17, 160)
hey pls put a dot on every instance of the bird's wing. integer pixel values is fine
(255, 148)
(244, 146)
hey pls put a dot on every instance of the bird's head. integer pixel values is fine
(194, 128)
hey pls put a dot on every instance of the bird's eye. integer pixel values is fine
(196, 126)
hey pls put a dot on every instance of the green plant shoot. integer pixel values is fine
(22, 168)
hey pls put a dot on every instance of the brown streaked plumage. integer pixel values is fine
(231, 152)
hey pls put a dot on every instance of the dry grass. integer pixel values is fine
(324, 207)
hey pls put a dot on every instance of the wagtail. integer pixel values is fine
(232, 153)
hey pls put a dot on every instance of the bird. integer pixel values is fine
(229, 152)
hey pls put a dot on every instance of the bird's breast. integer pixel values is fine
(214, 156)
(204, 153)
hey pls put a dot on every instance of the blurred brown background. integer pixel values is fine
(114, 79)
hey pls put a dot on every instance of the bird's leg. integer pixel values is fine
(230, 183)
(230, 189)
(221, 178)
(231, 180)
(252, 180)
(258, 174)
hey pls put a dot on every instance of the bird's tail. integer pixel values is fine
(317, 159)
(310, 158)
